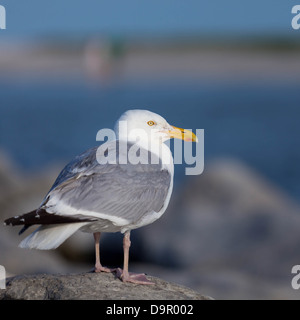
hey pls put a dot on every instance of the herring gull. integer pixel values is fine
(93, 195)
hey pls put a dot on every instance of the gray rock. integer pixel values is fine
(230, 232)
(92, 286)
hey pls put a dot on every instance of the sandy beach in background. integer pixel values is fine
(153, 62)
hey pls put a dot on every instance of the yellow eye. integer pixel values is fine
(151, 123)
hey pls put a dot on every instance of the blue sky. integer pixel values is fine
(153, 17)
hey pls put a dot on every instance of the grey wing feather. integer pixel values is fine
(79, 164)
(121, 190)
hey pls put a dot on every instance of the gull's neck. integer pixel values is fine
(152, 144)
(160, 149)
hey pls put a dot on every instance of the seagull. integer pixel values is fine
(100, 192)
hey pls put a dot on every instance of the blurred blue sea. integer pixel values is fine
(48, 123)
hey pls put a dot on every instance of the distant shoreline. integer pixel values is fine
(110, 62)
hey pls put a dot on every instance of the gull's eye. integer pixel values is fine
(151, 123)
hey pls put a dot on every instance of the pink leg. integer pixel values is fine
(98, 266)
(124, 275)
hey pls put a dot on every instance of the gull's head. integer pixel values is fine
(135, 125)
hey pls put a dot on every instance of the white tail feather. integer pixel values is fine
(50, 236)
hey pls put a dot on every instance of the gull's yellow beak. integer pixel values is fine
(182, 134)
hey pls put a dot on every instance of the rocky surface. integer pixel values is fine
(232, 232)
(92, 286)
(234, 210)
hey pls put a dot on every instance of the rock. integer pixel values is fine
(234, 233)
(92, 286)
(230, 208)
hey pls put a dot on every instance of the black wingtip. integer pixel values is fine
(8, 222)
(23, 229)
(18, 220)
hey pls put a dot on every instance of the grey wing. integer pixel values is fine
(119, 190)
(80, 164)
